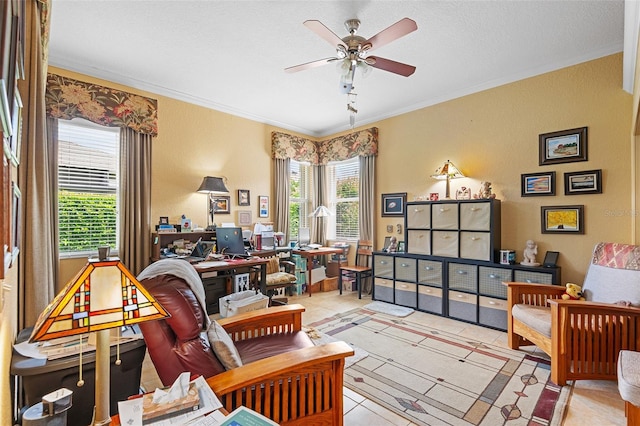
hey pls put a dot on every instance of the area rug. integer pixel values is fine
(432, 377)
(389, 309)
(319, 338)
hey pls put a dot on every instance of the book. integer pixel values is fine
(243, 416)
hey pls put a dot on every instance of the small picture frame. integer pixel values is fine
(221, 204)
(550, 259)
(244, 218)
(164, 220)
(565, 146)
(587, 182)
(562, 219)
(536, 184)
(400, 246)
(263, 206)
(393, 204)
(243, 197)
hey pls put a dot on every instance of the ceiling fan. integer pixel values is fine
(353, 50)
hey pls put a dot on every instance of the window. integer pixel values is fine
(88, 165)
(299, 197)
(344, 194)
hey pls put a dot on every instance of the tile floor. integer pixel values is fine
(591, 402)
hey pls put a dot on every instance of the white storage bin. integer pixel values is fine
(244, 301)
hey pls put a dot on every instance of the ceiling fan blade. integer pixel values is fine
(324, 32)
(394, 32)
(310, 65)
(391, 66)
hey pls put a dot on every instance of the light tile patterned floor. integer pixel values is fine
(592, 402)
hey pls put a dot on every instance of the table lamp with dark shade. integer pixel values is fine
(212, 186)
(102, 296)
(447, 171)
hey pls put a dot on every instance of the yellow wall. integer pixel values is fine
(491, 136)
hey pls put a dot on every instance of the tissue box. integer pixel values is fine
(244, 301)
(152, 412)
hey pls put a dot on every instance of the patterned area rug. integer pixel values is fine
(432, 377)
(388, 308)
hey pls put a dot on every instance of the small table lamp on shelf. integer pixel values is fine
(102, 296)
(212, 186)
(447, 171)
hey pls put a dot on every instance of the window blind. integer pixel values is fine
(299, 195)
(88, 167)
(344, 190)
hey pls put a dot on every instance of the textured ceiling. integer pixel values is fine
(230, 55)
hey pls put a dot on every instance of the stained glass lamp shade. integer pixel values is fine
(103, 295)
(447, 171)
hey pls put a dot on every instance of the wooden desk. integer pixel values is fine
(231, 265)
(310, 254)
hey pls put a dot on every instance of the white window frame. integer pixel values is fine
(80, 131)
(305, 177)
(333, 169)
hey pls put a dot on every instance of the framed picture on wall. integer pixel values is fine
(587, 182)
(221, 204)
(535, 184)
(393, 204)
(565, 146)
(244, 217)
(263, 206)
(562, 219)
(243, 197)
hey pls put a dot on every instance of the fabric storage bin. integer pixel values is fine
(430, 272)
(475, 245)
(491, 279)
(462, 306)
(532, 277)
(418, 241)
(493, 312)
(383, 266)
(383, 289)
(463, 277)
(430, 299)
(445, 243)
(475, 216)
(406, 294)
(418, 216)
(405, 269)
(244, 301)
(444, 216)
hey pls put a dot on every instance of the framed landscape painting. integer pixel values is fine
(534, 184)
(565, 146)
(587, 182)
(562, 219)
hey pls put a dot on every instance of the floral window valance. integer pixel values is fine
(363, 143)
(67, 98)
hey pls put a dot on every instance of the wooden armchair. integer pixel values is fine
(283, 375)
(295, 388)
(583, 338)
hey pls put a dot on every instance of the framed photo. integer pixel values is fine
(400, 246)
(534, 184)
(550, 259)
(244, 217)
(243, 197)
(393, 204)
(263, 205)
(565, 146)
(587, 182)
(562, 219)
(221, 204)
(164, 220)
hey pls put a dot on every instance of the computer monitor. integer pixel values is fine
(229, 241)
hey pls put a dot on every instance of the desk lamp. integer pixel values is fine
(103, 295)
(320, 212)
(447, 171)
(212, 186)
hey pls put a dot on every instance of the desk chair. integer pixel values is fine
(279, 281)
(362, 268)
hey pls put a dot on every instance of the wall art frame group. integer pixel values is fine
(393, 204)
(564, 146)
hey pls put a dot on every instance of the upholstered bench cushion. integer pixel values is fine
(629, 376)
(266, 346)
(536, 317)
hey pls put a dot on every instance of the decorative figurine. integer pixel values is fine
(530, 252)
(393, 245)
(485, 192)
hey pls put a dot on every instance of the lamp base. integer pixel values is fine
(211, 227)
